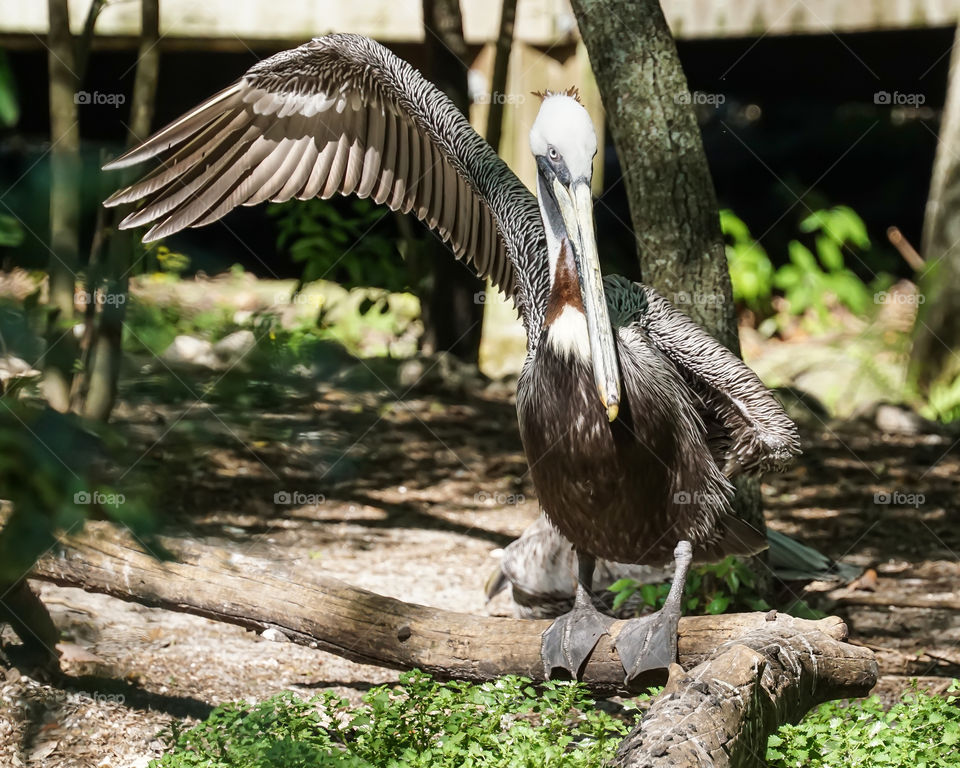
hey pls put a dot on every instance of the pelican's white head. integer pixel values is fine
(564, 125)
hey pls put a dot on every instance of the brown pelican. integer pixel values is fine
(629, 412)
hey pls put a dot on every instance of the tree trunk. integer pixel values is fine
(934, 358)
(103, 369)
(673, 205)
(29, 619)
(501, 63)
(452, 314)
(359, 625)
(61, 350)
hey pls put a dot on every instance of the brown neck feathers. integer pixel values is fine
(566, 286)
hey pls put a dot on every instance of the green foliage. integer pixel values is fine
(349, 249)
(421, 722)
(710, 589)
(9, 104)
(151, 327)
(47, 472)
(943, 398)
(815, 276)
(169, 261)
(808, 280)
(751, 272)
(920, 730)
(11, 232)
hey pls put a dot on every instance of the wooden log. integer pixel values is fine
(721, 712)
(359, 625)
(895, 598)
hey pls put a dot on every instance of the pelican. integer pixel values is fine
(633, 418)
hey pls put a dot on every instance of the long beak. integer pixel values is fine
(576, 208)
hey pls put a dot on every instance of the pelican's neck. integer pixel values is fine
(565, 322)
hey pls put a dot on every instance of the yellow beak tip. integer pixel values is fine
(612, 411)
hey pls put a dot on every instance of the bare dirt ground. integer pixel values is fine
(416, 491)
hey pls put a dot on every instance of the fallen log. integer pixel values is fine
(324, 613)
(721, 712)
(895, 598)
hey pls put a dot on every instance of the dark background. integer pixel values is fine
(798, 119)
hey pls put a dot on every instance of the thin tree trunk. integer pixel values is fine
(673, 205)
(85, 41)
(501, 64)
(936, 338)
(452, 314)
(28, 617)
(106, 354)
(61, 350)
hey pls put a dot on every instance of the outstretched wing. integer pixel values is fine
(754, 432)
(342, 114)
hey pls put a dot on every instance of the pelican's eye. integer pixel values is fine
(553, 154)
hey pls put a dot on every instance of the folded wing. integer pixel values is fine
(744, 420)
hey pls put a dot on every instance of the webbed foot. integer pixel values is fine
(650, 642)
(569, 641)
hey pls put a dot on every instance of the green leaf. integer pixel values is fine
(718, 604)
(9, 105)
(11, 232)
(829, 252)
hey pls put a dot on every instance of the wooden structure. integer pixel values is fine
(236, 23)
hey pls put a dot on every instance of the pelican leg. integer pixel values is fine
(650, 642)
(569, 641)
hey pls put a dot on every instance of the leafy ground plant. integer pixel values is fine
(710, 589)
(419, 723)
(921, 731)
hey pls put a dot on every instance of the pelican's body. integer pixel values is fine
(612, 487)
(632, 417)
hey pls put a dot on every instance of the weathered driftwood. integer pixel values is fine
(327, 614)
(721, 712)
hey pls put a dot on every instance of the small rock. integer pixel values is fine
(230, 349)
(274, 635)
(410, 372)
(900, 420)
(13, 367)
(189, 350)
